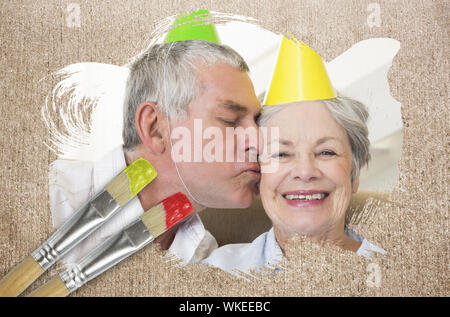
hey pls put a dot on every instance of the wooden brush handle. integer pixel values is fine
(20, 277)
(54, 288)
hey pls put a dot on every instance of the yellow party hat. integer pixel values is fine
(299, 75)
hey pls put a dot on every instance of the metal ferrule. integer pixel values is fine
(87, 219)
(112, 251)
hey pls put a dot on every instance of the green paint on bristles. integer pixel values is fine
(140, 173)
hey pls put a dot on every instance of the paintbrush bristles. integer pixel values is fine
(131, 181)
(119, 189)
(155, 220)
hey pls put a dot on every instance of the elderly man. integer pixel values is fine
(171, 87)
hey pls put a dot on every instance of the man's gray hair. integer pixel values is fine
(167, 74)
(352, 115)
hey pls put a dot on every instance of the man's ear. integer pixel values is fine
(149, 126)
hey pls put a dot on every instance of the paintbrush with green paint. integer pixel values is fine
(86, 220)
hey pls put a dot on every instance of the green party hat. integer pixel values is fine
(194, 26)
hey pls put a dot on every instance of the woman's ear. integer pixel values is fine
(355, 184)
(149, 127)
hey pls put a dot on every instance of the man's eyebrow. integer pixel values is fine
(231, 105)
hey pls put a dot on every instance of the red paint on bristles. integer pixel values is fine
(177, 207)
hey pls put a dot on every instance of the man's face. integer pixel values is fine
(220, 167)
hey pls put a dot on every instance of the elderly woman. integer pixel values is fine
(320, 148)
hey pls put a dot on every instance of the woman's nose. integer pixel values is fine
(305, 169)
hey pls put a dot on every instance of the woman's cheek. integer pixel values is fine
(340, 201)
(270, 183)
(340, 175)
(268, 191)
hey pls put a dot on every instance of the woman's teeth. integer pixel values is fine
(306, 197)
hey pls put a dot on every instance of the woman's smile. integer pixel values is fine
(305, 198)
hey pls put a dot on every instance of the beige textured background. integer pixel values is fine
(36, 41)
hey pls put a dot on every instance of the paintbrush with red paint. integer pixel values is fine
(143, 231)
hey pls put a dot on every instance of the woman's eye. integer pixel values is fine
(280, 155)
(327, 153)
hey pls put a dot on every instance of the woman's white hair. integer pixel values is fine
(166, 74)
(352, 115)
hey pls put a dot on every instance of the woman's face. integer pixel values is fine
(310, 191)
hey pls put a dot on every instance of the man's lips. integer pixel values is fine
(305, 198)
(252, 168)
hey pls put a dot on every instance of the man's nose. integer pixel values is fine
(305, 169)
(253, 143)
